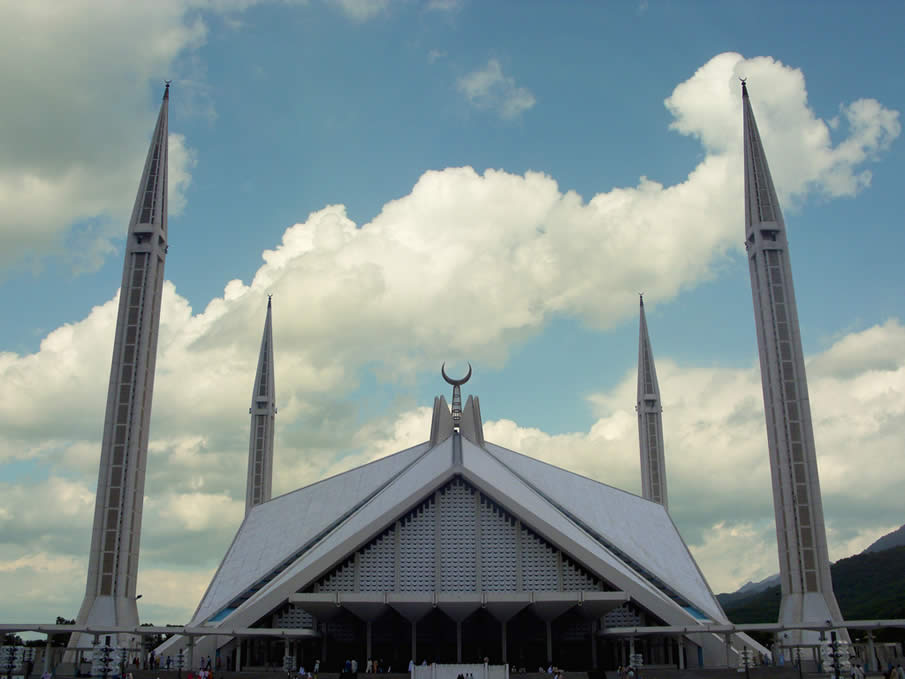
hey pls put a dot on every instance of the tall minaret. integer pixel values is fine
(113, 561)
(650, 421)
(263, 408)
(807, 590)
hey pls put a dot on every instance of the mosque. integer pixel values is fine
(457, 549)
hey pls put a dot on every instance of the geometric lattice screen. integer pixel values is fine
(458, 540)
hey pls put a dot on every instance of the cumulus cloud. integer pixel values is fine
(66, 155)
(798, 143)
(361, 10)
(517, 251)
(488, 89)
(716, 451)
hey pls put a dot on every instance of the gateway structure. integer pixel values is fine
(452, 551)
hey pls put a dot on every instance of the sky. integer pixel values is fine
(442, 180)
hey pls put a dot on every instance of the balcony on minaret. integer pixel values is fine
(765, 236)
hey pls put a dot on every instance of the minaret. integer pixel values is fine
(113, 562)
(263, 408)
(807, 590)
(650, 421)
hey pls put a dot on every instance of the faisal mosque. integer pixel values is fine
(457, 549)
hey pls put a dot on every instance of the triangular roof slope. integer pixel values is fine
(266, 540)
(459, 456)
(639, 530)
(345, 536)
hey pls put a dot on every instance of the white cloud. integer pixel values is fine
(716, 453)
(445, 5)
(487, 88)
(515, 251)
(66, 155)
(798, 144)
(361, 10)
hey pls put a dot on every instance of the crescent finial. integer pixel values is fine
(450, 380)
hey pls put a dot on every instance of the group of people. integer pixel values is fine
(897, 672)
(627, 672)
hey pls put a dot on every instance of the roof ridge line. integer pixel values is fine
(294, 556)
(648, 576)
(598, 538)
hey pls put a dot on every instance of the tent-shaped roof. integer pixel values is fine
(284, 545)
(273, 533)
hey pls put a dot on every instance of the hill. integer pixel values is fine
(870, 585)
(888, 541)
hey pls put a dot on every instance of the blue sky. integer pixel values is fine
(604, 141)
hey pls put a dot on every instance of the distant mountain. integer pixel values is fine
(889, 541)
(870, 585)
(894, 539)
(747, 590)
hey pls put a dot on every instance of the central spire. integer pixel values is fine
(457, 392)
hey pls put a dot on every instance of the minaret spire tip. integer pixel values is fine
(744, 87)
(641, 298)
(166, 90)
(268, 300)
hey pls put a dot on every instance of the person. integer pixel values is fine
(900, 672)
(317, 667)
(411, 665)
(354, 667)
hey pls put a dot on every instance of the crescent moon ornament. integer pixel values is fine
(455, 383)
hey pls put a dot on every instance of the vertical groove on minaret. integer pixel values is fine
(807, 590)
(116, 536)
(650, 421)
(263, 409)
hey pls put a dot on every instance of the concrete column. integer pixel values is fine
(668, 642)
(190, 660)
(871, 653)
(238, 667)
(631, 649)
(458, 641)
(324, 643)
(728, 638)
(549, 626)
(367, 639)
(415, 642)
(681, 650)
(287, 650)
(593, 645)
(47, 648)
(503, 628)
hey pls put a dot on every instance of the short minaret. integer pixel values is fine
(650, 421)
(113, 561)
(263, 409)
(807, 590)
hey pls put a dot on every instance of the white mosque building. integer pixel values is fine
(457, 549)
